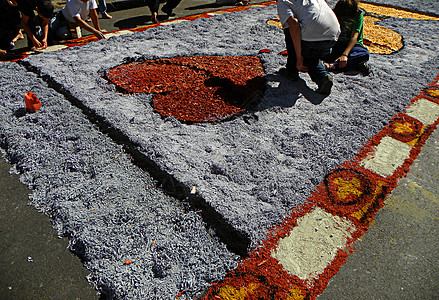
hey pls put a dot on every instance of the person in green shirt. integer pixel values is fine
(349, 52)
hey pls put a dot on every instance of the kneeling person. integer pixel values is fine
(311, 29)
(349, 52)
(74, 13)
(37, 39)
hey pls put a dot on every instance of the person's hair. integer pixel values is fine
(45, 8)
(346, 8)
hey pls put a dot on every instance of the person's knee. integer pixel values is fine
(366, 55)
(63, 33)
(362, 53)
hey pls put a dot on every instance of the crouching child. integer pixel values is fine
(349, 52)
(74, 14)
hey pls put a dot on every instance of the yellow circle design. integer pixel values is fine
(379, 39)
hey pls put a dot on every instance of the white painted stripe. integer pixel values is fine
(217, 13)
(424, 110)
(54, 48)
(173, 22)
(387, 156)
(117, 33)
(313, 244)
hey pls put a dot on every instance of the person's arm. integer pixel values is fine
(343, 59)
(296, 36)
(35, 41)
(83, 24)
(45, 28)
(94, 19)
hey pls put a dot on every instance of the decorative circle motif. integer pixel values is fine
(405, 128)
(349, 190)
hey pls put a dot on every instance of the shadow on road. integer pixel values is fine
(138, 21)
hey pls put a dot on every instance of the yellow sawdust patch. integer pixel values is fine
(434, 93)
(403, 127)
(230, 293)
(359, 214)
(275, 22)
(395, 12)
(295, 294)
(347, 187)
(379, 39)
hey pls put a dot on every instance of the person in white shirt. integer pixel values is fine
(75, 13)
(311, 29)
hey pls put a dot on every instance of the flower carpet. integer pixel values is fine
(278, 174)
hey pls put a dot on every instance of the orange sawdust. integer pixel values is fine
(405, 129)
(197, 88)
(347, 189)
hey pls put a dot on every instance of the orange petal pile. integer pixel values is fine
(195, 89)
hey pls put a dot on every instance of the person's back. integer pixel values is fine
(77, 8)
(36, 40)
(74, 14)
(311, 29)
(317, 20)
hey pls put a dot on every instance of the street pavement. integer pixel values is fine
(398, 258)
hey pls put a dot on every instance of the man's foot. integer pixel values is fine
(293, 76)
(19, 36)
(154, 18)
(168, 12)
(106, 16)
(363, 68)
(325, 85)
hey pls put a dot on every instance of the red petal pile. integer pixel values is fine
(196, 88)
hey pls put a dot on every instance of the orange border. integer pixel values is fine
(250, 270)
